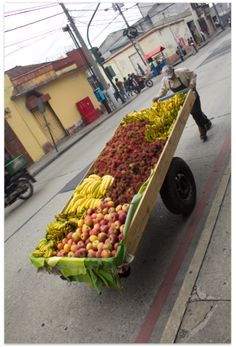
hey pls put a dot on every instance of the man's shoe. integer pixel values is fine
(208, 126)
(203, 137)
(203, 133)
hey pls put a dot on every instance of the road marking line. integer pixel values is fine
(176, 262)
(171, 329)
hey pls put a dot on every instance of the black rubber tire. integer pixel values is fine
(149, 83)
(178, 191)
(29, 189)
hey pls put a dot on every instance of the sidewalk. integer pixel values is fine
(202, 311)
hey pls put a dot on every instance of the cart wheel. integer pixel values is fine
(178, 191)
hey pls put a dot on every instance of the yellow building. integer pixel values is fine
(59, 85)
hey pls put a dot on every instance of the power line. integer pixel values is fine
(15, 50)
(37, 21)
(106, 27)
(29, 10)
(31, 38)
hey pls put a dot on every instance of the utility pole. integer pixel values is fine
(85, 49)
(128, 26)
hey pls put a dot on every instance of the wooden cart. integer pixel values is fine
(172, 178)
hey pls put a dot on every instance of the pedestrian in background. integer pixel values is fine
(192, 45)
(177, 80)
(121, 88)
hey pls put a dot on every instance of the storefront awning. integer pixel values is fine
(156, 51)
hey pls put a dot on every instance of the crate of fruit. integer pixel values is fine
(97, 233)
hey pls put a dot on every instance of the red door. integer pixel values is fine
(87, 110)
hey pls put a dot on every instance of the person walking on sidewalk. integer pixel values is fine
(177, 80)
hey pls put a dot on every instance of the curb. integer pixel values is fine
(176, 316)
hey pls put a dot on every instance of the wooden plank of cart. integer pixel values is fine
(161, 181)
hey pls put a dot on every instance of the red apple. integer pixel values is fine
(76, 236)
(104, 228)
(121, 236)
(96, 226)
(118, 208)
(69, 235)
(89, 246)
(117, 224)
(66, 248)
(102, 236)
(94, 232)
(60, 246)
(90, 211)
(64, 241)
(113, 253)
(85, 227)
(113, 238)
(98, 253)
(122, 218)
(84, 236)
(80, 244)
(125, 207)
(105, 210)
(110, 203)
(81, 253)
(108, 245)
(105, 253)
(122, 228)
(100, 216)
(91, 253)
(73, 248)
(116, 245)
(88, 221)
(93, 238)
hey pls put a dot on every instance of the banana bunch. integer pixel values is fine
(57, 230)
(45, 248)
(89, 194)
(160, 118)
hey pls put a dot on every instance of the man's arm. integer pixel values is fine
(162, 92)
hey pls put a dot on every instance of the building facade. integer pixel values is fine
(59, 85)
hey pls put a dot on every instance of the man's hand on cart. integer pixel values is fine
(155, 99)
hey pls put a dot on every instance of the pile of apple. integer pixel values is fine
(98, 234)
(129, 158)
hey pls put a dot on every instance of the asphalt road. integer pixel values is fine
(41, 308)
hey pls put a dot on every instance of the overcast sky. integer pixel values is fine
(44, 40)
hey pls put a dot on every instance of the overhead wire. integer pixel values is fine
(15, 50)
(29, 10)
(31, 38)
(37, 21)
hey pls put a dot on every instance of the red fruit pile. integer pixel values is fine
(128, 157)
(98, 234)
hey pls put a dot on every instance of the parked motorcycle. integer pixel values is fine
(18, 182)
(140, 82)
